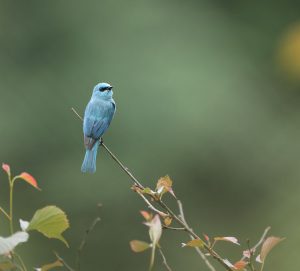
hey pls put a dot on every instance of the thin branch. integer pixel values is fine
(76, 113)
(150, 206)
(5, 213)
(261, 240)
(202, 255)
(63, 262)
(173, 228)
(163, 205)
(84, 241)
(164, 260)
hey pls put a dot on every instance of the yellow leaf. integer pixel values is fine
(7, 266)
(50, 266)
(164, 184)
(194, 243)
(168, 221)
(139, 246)
(228, 239)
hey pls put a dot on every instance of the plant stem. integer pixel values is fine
(152, 257)
(5, 213)
(68, 267)
(164, 260)
(21, 261)
(84, 241)
(11, 188)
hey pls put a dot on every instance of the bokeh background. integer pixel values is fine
(207, 92)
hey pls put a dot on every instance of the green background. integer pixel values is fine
(200, 96)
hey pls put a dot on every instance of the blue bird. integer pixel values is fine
(97, 117)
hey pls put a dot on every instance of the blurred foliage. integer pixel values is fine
(206, 91)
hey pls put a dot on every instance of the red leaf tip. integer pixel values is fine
(29, 179)
(6, 168)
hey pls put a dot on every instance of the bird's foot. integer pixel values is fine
(101, 141)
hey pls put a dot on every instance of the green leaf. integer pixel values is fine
(194, 243)
(50, 266)
(139, 246)
(6, 266)
(51, 222)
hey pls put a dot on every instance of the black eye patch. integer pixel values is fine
(105, 88)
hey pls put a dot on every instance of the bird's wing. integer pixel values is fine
(97, 118)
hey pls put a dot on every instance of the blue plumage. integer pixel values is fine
(97, 117)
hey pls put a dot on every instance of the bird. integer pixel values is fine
(98, 115)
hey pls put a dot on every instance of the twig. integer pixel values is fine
(204, 258)
(63, 262)
(164, 206)
(5, 213)
(261, 240)
(173, 228)
(84, 241)
(150, 206)
(164, 260)
(76, 113)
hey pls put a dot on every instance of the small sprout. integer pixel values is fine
(6, 168)
(247, 253)
(164, 184)
(207, 239)
(139, 246)
(147, 191)
(146, 215)
(194, 243)
(167, 220)
(228, 239)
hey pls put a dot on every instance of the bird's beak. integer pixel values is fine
(110, 88)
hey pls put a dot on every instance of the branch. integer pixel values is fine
(202, 255)
(173, 228)
(63, 262)
(164, 260)
(162, 204)
(84, 241)
(150, 206)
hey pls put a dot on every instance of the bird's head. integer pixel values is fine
(103, 90)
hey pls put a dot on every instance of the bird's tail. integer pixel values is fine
(89, 162)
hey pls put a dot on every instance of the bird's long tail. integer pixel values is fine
(89, 162)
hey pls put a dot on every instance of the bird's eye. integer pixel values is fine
(102, 89)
